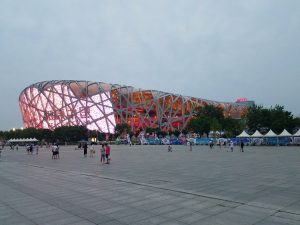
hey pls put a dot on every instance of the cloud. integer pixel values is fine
(212, 49)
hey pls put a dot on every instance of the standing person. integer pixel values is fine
(31, 148)
(36, 149)
(242, 146)
(102, 159)
(84, 149)
(169, 148)
(128, 139)
(92, 151)
(55, 151)
(27, 149)
(107, 153)
(231, 146)
(190, 143)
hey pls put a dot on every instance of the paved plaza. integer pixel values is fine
(149, 185)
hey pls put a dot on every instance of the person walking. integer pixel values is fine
(85, 149)
(107, 153)
(190, 144)
(102, 159)
(31, 148)
(242, 146)
(231, 146)
(36, 149)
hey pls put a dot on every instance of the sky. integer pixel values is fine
(212, 49)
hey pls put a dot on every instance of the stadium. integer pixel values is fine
(100, 106)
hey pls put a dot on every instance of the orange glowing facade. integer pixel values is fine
(101, 106)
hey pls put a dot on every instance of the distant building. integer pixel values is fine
(245, 101)
(100, 106)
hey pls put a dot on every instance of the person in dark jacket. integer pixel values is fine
(85, 149)
(242, 146)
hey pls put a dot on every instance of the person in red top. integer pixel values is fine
(107, 153)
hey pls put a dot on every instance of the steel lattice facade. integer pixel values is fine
(101, 106)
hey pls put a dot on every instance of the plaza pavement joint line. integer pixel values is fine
(140, 184)
(157, 187)
(153, 186)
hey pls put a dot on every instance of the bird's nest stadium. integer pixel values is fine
(100, 106)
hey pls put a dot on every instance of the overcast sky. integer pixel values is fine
(212, 49)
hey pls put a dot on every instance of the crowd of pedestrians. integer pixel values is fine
(105, 150)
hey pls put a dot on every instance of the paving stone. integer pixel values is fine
(199, 187)
(135, 218)
(154, 220)
(192, 218)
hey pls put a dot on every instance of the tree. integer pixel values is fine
(199, 125)
(210, 112)
(71, 134)
(215, 125)
(263, 119)
(122, 129)
(296, 122)
(208, 117)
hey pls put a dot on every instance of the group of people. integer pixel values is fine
(30, 148)
(211, 146)
(105, 152)
(231, 145)
(55, 151)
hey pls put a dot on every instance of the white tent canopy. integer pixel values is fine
(297, 134)
(23, 140)
(257, 134)
(244, 134)
(270, 134)
(285, 133)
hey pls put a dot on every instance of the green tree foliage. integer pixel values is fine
(199, 125)
(233, 127)
(211, 118)
(70, 134)
(297, 122)
(207, 118)
(263, 119)
(122, 129)
(156, 130)
(210, 112)
(175, 132)
(215, 125)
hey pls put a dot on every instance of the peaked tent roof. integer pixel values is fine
(285, 133)
(257, 134)
(270, 134)
(22, 140)
(243, 134)
(297, 134)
